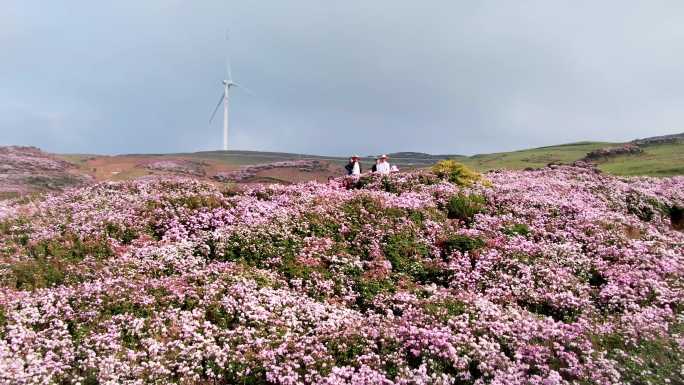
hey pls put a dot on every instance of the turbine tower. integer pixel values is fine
(227, 84)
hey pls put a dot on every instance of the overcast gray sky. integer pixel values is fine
(338, 77)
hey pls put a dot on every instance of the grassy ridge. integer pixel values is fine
(536, 157)
(656, 160)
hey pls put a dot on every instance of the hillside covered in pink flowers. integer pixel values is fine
(555, 276)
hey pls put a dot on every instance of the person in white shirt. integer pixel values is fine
(383, 166)
(353, 167)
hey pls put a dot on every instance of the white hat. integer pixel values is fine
(383, 156)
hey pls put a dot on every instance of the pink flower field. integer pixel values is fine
(554, 276)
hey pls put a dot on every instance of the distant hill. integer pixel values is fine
(25, 170)
(660, 156)
(660, 139)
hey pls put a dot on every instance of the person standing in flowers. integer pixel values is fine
(383, 166)
(354, 166)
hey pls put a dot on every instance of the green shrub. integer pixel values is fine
(292, 269)
(217, 315)
(544, 308)
(37, 273)
(362, 182)
(345, 351)
(389, 186)
(3, 322)
(321, 226)
(369, 288)
(517, 229)
(649, 361)
(125, 235)
(404, 251)
(445, 309)
(462, 243)
(191, 202)
(70, 247)
(464, 207)
(254, 250)
(643, 207)
(455, 172)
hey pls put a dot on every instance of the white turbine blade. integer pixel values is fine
(216, 109)
(229, 71)
(247, 90)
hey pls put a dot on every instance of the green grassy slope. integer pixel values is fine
(535, 157)
(656, 160)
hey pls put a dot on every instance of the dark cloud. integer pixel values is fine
(339, 77)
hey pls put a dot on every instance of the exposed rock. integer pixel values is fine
(246, 173)
(28, 169)
(177, 166)
(582, 163)
(602, 153)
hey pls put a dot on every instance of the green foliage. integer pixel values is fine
(432, 273)
(445, 309)
(190, 202)
(254, 252)
(49, 260)
(292, 269)
(91, 378)
(649, 361)
(125, 235)
(464, 207)
(362, 182)
(546, 309)
(37, 273)
(77, 331)
(217, 315)
(118, 306)
(70, 247)
(345, 351)
(408, 257)
(129, 339)
(369, 288)
(517, 229)
(389, 186)
(455, 172)
(645, 208)
(404, 251)
(321, 226)
(462, 243)
(3, 322)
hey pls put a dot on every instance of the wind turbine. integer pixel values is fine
(227, 84)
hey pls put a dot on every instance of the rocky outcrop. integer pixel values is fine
(602, 153)
(177, 166)
(246, 173)
(28, 169)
